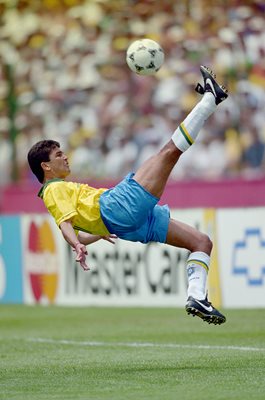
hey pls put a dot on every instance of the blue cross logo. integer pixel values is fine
(249, 257)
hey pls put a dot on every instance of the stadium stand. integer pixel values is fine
(63, 76)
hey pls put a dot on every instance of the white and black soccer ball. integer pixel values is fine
(145, 57)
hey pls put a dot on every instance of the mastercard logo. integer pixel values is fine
(42, 262)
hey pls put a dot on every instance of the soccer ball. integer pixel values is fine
(145, 57)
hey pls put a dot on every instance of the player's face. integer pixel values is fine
(58, 166)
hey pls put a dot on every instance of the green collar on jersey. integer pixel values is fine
(41, 192)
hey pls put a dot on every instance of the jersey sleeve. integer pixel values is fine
(58, 202)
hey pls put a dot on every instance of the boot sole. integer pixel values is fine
(211, 319)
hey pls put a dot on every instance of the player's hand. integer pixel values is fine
(109, 238)
(81, 253)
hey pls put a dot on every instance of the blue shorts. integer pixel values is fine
(131, 212)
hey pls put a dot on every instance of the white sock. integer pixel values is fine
(188, 130)
(197, 270)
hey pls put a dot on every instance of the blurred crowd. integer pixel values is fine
(63, 76)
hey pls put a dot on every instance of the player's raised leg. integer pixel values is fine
(154, 173)
(153, 176)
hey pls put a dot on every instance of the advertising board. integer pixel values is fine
(38, 267)
(11, 290)
(43, 251)
(129, 274)
(241, 249)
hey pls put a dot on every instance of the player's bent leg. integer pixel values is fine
(184, 236)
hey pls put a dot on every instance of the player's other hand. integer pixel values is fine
(81, 253)
(109, 238)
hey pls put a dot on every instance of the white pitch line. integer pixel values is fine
(141, 345)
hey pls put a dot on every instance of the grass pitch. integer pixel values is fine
(127, 353)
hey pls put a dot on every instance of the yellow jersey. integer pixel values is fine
(75, 201)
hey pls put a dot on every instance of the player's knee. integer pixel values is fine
(204, 243)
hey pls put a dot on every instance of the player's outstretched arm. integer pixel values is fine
(80, 249)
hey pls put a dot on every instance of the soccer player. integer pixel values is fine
(130, 210)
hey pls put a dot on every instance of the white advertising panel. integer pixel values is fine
(241, 249)
(129, 274)
(126, 274)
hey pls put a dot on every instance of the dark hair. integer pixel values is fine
(39, 153)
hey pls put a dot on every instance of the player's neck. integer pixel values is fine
(50, 177)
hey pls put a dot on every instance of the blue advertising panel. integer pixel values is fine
(11, 289)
